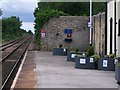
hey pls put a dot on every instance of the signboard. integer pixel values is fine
(73, 55)
(43, 33)
(64, 50)
(91, 60)
(68, 35)
(68, 31)
(82, 61)
(89, 24)
(105, 63)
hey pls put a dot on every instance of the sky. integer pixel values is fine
(21, 8)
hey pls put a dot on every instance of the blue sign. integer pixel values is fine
(68, 31)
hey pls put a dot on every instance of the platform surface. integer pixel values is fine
(56, 72)
(27, 76)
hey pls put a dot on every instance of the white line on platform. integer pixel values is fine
(19, 70)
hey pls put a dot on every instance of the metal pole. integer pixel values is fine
(90, 22)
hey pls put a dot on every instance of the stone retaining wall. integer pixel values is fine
(55, 32)
(80, 38)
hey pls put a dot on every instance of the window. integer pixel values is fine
(119, 27)
(111, 27)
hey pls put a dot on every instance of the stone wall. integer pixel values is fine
(55, 32)
(80, 35)
(99, 33)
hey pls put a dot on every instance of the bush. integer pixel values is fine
(90, 51)
(119, 64)
(60, 45)
(118, 58)
(76, 50)
(41, 17)
(112, 55)
(96, 57)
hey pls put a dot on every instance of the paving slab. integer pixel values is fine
(56, 72)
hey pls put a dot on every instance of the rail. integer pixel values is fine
(14, 63)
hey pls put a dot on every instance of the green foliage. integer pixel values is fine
(41, 18)
(112, 55)
(73, 8)
(60, 45)
(96, 57)
(47, 10)
(37, 39)
(30, 32)
(11, 28)
(90, 51)
(79, 55)
(118, 64)
(118, 61)
(98, 7)
(77, 50)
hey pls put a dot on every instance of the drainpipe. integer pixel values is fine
(106, 28)
(115, 27)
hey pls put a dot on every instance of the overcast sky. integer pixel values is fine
(21, 8)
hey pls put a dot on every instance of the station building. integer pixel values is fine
(113, 27)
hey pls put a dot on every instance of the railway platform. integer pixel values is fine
(43, 70)
(26, 76)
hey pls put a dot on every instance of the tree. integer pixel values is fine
(30, 32)
(72, 8)
(98, 7)
(11, 28)
(41, 17)
(11, 24)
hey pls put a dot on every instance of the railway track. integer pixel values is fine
(11, 43)
(9, 50)
(10, 62)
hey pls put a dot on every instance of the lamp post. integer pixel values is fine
(90, 23)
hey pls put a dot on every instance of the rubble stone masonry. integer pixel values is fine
(80, 37)
(55, 32)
